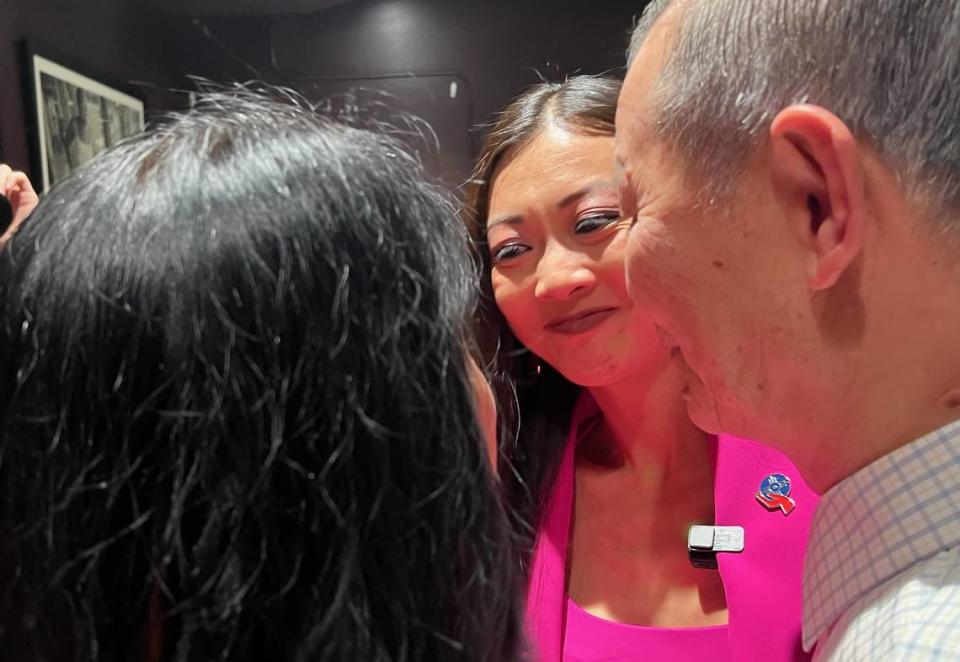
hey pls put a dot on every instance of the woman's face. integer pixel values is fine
(556, 242)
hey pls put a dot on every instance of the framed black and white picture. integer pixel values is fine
(76, 117)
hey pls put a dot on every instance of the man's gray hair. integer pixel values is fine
(890, 69)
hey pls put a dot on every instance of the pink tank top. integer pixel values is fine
(588, 638)
(762, 584)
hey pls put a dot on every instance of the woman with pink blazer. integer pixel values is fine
(619, 495)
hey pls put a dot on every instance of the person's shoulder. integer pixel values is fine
(913, 616)
(752, 451)
(747, 462)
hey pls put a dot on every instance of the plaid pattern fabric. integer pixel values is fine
(882, 570)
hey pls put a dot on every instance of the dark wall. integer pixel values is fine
(122, 42)
(452, 62)
(415, 50)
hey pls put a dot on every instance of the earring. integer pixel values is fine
(531, 373)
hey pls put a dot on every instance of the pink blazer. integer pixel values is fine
(762, 583)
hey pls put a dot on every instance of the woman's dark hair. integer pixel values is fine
(536, 402)
(237, 422)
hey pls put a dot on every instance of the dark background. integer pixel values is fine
(452, 62)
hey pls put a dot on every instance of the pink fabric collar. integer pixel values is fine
(762, 584)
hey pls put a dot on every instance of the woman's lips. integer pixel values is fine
(580, 322)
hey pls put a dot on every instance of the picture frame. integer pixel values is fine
(74, 117)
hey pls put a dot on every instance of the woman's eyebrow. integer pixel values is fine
(571, 198)
(512, 219)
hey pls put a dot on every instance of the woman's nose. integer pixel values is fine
(562, 273)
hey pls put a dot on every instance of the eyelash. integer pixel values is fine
(604, 218)
(508, 251)
(594, 221)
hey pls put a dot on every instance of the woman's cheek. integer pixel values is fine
(519, 312)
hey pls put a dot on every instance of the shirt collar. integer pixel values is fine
(901, 509)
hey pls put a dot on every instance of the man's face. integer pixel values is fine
(723, 283)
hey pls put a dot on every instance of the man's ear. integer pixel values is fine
(818, 179)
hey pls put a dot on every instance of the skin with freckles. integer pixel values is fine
(812, 308)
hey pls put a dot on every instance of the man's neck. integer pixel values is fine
(878, 435)
(907, 385)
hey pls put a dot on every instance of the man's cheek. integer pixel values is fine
(646, 267)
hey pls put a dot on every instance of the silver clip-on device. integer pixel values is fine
(704, 542)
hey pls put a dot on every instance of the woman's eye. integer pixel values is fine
(595, 222)
(509, 251)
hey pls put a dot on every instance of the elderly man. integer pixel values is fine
(793, 171)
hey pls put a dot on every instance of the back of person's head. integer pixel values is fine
(536, 402)
(887, 68)
(237, 421)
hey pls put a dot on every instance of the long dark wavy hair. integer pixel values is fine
(236, 421)
(536, 402)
